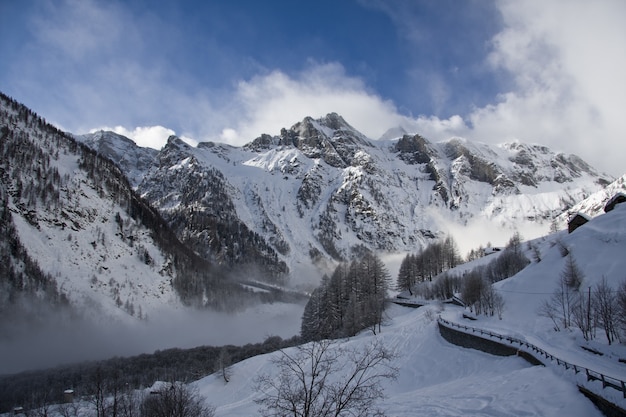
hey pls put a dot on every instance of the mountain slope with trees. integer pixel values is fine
(77, 234)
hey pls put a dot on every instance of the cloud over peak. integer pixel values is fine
(542, 72)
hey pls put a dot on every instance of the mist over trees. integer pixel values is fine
(120, 375)
(350, 300)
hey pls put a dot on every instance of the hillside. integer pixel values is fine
(437, 378)
(83, 253)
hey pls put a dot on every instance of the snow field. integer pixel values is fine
(435, 378)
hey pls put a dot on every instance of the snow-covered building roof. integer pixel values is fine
(613, 201)
(576, 221)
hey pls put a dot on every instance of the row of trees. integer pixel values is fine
(350, 300)
(36, 389)
(480, 296)
(426, 264)
(598, 307)
(474, 286)
(477, 290)
(168, 400)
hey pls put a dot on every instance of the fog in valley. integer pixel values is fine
(54, 342)
(60, 340)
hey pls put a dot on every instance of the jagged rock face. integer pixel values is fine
(196, 201)
(330, 139)
(124, 152)
(413, 149)
(321, 189)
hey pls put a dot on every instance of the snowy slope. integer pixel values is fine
(74, 222)
(133, 160)
(598, 249)
(108, 254)
(435, 378)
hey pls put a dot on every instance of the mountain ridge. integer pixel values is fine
(342, 193)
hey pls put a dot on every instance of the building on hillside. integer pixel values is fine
(576, 221)
(68, 396)
(615, 200)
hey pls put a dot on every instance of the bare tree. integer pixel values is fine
(621, 306)
(582, 314)
(562, 306)
(495, 301)
(129, 403)
(322, 379)
(40, 404)
(223, 364)
(572, 275)
(472, 288)
(97, 386)
(175, 400)
(549, 308)
(605, 305)
(70, 410)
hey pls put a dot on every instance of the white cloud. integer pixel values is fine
(68, 27)
(147, 136)
(100, 63)
(566, 60)
(568, 63)
(267, 103)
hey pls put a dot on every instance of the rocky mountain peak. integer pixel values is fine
(320, 190)
(329, 138)
(132, 159)
(414, 149)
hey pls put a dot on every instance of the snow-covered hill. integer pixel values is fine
(73, 214)
(437, 378)
(322, 191)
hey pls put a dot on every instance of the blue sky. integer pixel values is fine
(494, 71)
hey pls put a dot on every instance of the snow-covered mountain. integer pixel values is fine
(78, 231)
(75, 233)
(322, 191)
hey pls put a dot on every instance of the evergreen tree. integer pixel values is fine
(406, 278)
(351, 300)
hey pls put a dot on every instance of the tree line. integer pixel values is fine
(350, 300)
(37, 388)
(426, 274)
(427, 263)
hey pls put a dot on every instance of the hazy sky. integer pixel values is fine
(547, 72)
